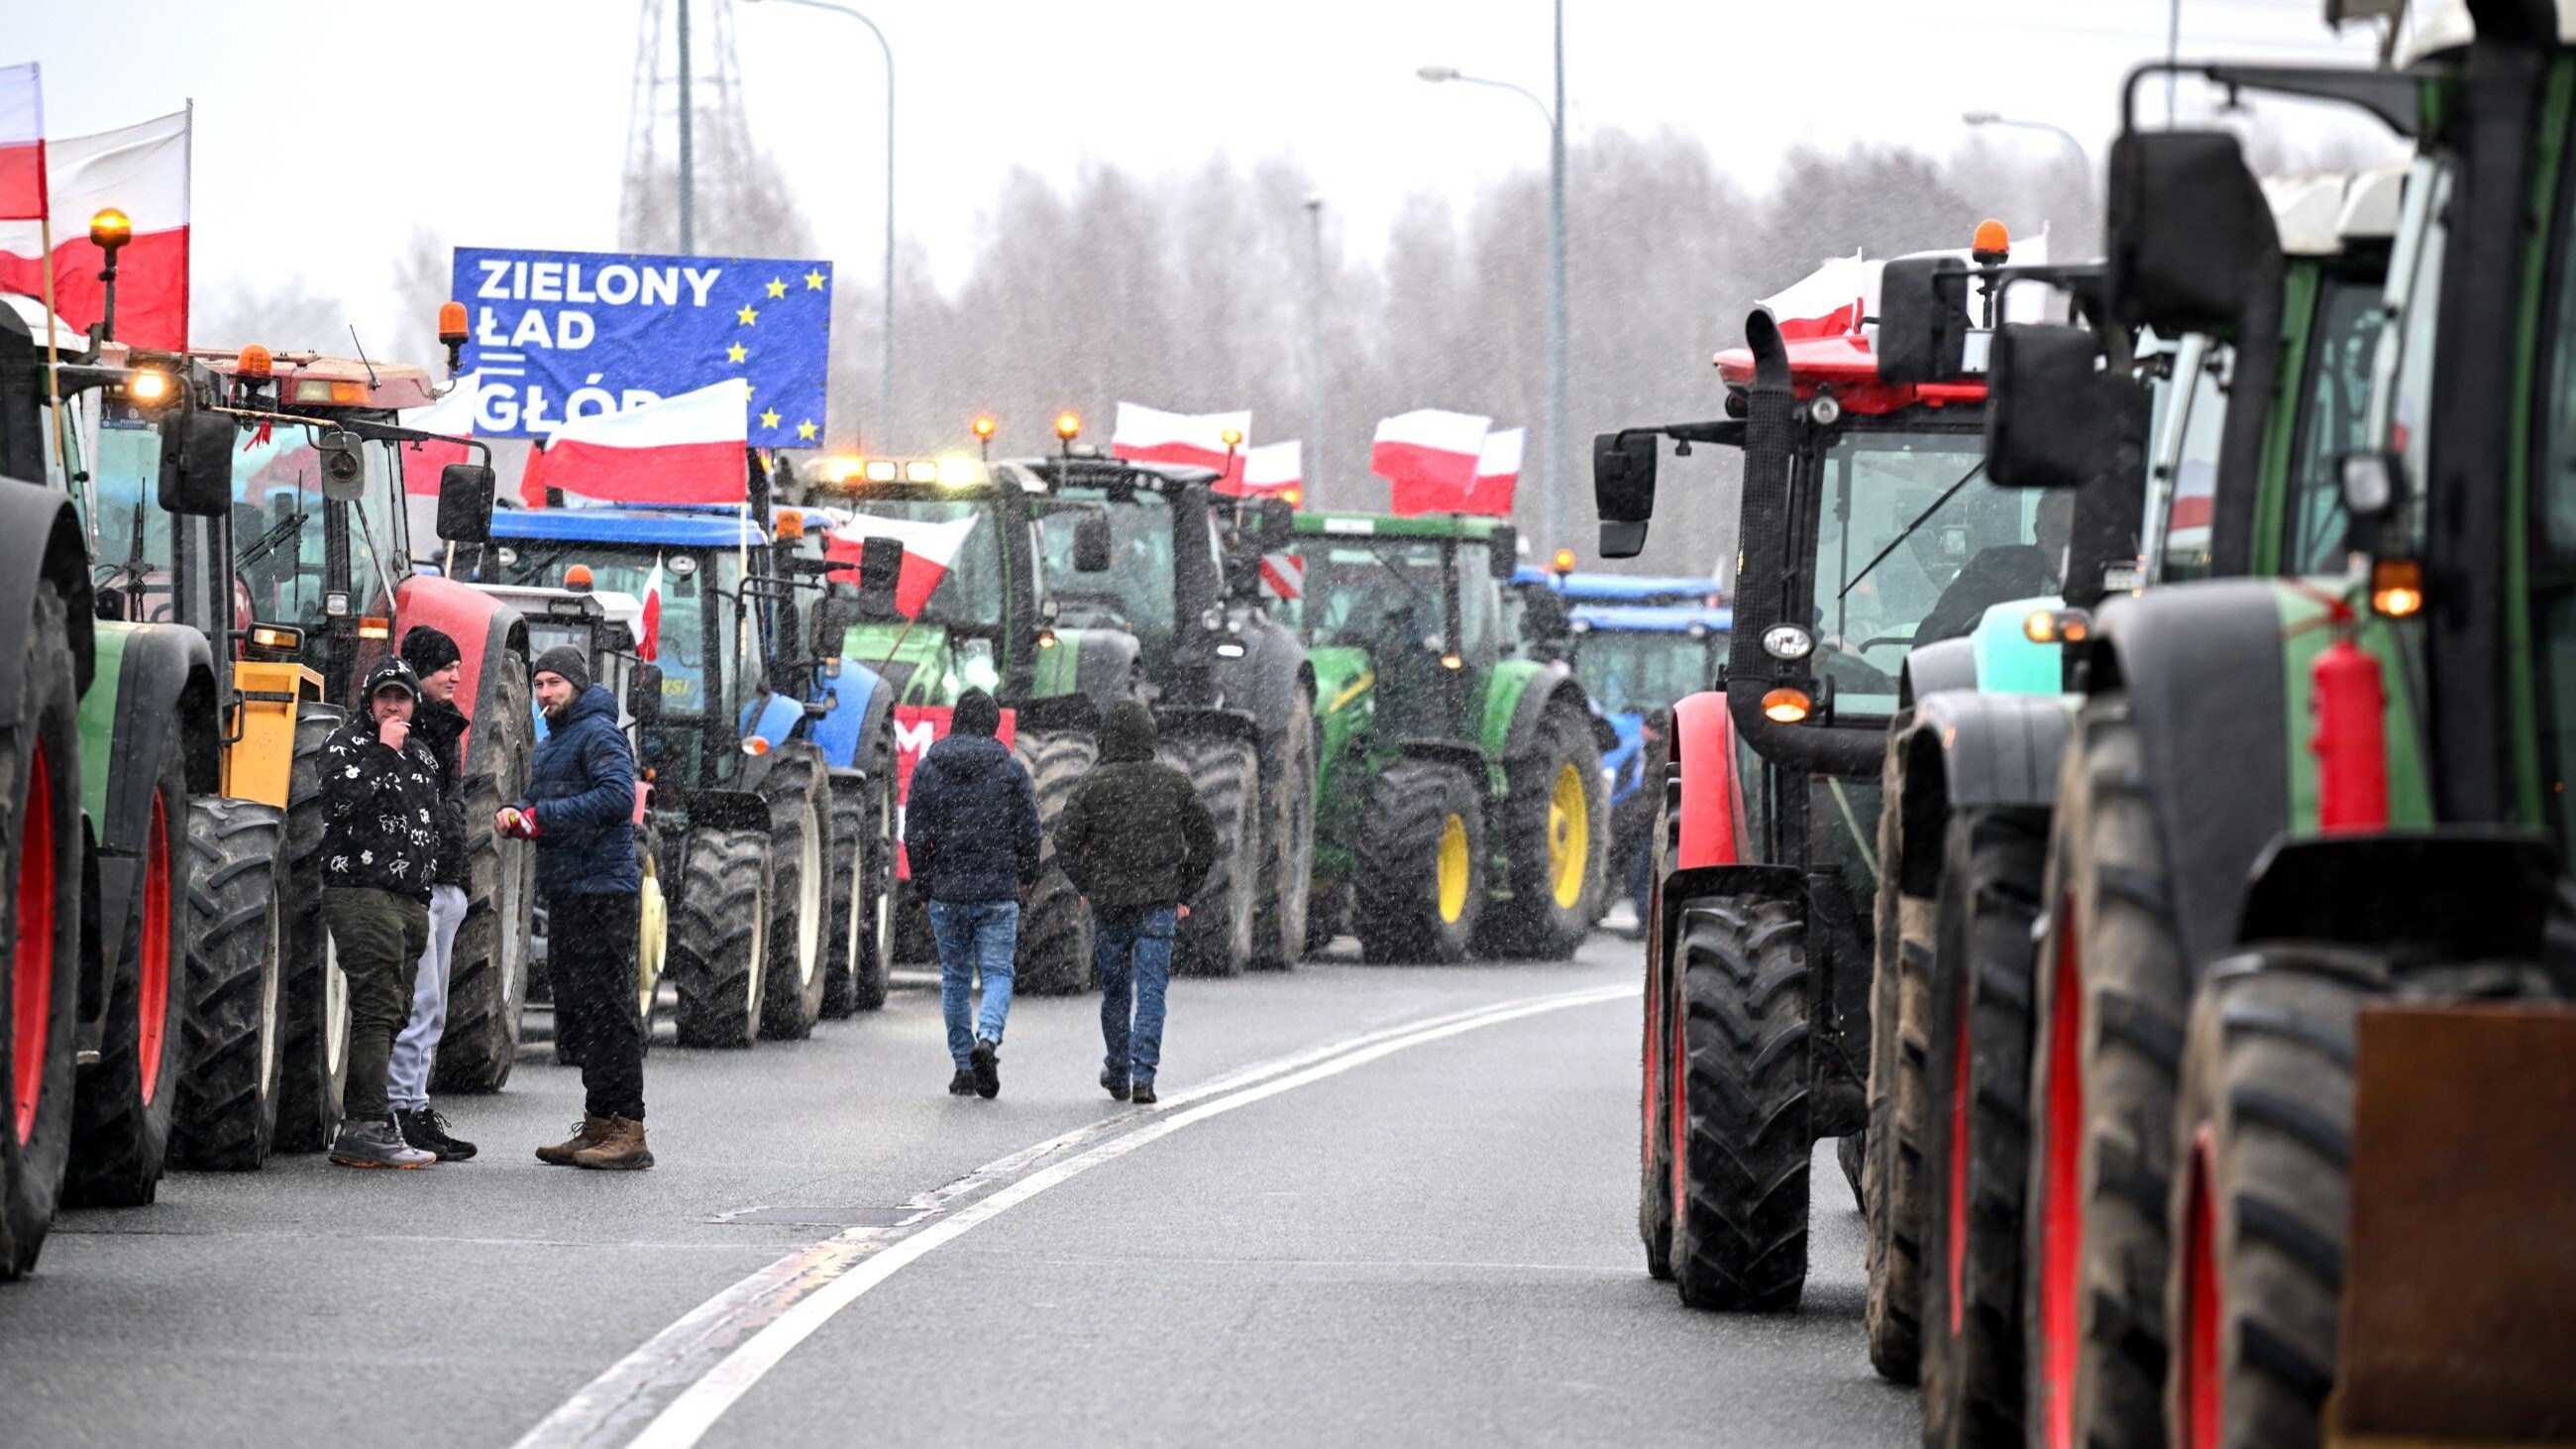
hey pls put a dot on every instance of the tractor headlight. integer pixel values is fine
(1787, 641)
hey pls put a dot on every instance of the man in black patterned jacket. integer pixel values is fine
(380, 797)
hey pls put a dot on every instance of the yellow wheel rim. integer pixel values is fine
(1453, 869)
(1569, 835)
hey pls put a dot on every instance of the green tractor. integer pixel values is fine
(1461, 805)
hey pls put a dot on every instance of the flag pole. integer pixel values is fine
(53, 369)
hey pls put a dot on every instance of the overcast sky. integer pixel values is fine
(329, 129)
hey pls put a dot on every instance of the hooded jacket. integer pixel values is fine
(582, 791)
(379, 809)
(1135, 836)
(441, 726)
(970, 827)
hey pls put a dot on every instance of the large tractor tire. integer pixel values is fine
(652, 932)
(1746, 1106)
(1055, 930)
(121, 1110)
(1217, 938)
(316, 1039)
(487, 978)
(226, 1119)
(1662, 1057)
(1892, 1147)
(1554, 838)
(1979, 1128)
(801, 888)
(1279, 918)
(1420, 875)
(876, 958)
(720, 937)
(40, 934)
(2106, 1060)
(845, 935)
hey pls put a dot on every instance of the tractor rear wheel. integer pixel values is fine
(1553, 839)
(487, 978)
(801, 883)
(121, 1110)
(720, 937)
(845, 941)
(1287, 839)
(1655, 1191)
(40, 934)
(226, 1118)
(1892, 1149)
(1055, 930)
(1420, 873)
(1217, 938)
(1743, 1123)
(317, 993)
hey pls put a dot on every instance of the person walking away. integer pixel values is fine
(580, 810)
(1137, 841)
(379, 855)
(439, 724)
(971, 833)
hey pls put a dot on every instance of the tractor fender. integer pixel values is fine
(1537, 687)
(1104, 663)
(1266, 681)
(1447, 752)
(1074, 712)
(1703, 790)
(2201, 668)
(160, 672)
(726, 810)
(1174, 722)
(1930, 669)
(1962, 750)
(40, 538)
(772, 717)
(2452, 893)
(858, 703)
(486, 630)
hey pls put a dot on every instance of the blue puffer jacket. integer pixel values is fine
(582, 788)
(970, 827)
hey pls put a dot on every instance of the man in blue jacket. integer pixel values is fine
(970, 830)
(580, 810)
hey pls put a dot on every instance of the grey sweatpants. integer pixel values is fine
(407, 1084)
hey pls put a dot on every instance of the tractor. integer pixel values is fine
(1636, 661)
(1460, 805)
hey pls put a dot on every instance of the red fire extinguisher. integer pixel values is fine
(2351, 738)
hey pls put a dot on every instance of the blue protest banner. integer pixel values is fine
(561, 335)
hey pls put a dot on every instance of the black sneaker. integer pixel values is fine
(373, 1142)
(987, 1068)
(1142, 1094)
(962, 1084)
(1116, 1086)
(423, 1127)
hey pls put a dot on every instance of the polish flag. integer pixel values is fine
(452, 415)
(928, 549)
(141, 171)
(1498, 473)
(1197, 440)
(684, 449)
(1271, 470)
(22, 143)
(1430, 458)
(1829, 302)
(648, 645)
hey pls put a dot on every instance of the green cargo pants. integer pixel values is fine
(379, 937)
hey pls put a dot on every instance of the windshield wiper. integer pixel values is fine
(1929, 509)
(267, 543)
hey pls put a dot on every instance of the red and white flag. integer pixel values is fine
(141, 171)
(22, 142)
(1273, 469)
(1197, 440)
(1828, 302)
(928, 549)
(684, 449)
(648, 644)
(452, 415)
(1498, 473)
(1430, 458)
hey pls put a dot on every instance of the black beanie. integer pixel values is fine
(565, 660)
(976, 714)
(428, 650)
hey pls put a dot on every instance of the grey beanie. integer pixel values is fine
(567, 661)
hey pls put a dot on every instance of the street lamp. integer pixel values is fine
(1560, 466)
(885, 382)
(2083, 158)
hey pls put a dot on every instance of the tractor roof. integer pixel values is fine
(309, 379)
(1844, 363)
(1651, 619)
(1608, 588)
(1389, 525)
(627, 525)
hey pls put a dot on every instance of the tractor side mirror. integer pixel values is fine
(1623, 490)
(1277, 528)
(831, 626)
(1923, 320)
(197, 463)
(1505, 541)
(880, 569)
(344, 466)
(644, 694)
(465, 503)
(2191, 240)
(2043, 382)
(1091, 542)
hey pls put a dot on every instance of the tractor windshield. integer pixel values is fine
(1632, 671)
(956, 537)
(133, 532)
(1376, 593)
(1913, 544)
(690, 632)
(1136, 594)
(280, 524)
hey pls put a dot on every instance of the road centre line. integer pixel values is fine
(718, 1351)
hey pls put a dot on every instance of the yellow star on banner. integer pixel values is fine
(746, 316)
(777, 288)
(814, 280)
(737, 353)
(805, 432)
(769, 419)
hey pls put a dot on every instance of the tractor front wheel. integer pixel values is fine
(1743, 1114)
(487, 979)
(317, 993)
(1552, 838)
(800, 883)
(1055, 931)
(1420, 878)
(720, 937)
(40, 934)
(226, 1119)
(1217, 938)
(1279, 932)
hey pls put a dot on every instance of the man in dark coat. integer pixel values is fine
(379, 854)
(580, 810)
(2004, 572)
(439, 724)
(1136, 840)
(970, 831)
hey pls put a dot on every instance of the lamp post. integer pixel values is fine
(2083, 158)
(1560, 452)
(1315, 327)
(885, 381)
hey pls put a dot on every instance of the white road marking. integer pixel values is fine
(792, 1298)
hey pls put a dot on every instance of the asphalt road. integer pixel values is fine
(1341, 1225)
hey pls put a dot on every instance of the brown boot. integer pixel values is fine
(622, 1149)
(587, 1133)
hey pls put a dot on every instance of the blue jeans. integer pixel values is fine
(974, 936)
(1134, 954)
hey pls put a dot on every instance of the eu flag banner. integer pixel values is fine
(562, 335)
